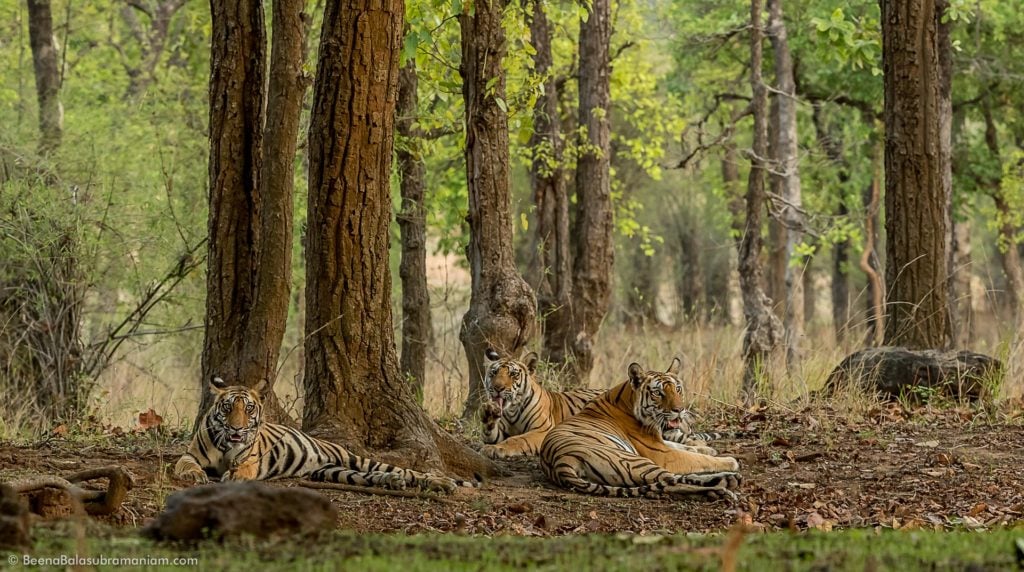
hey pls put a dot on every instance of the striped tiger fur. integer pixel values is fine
(520, 411)
(614, 447)
(234, 443)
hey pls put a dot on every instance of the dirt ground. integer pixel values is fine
(803, 468)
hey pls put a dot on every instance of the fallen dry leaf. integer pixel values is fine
(149, 419)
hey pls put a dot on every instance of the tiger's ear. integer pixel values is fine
(262, 388)
(491, 355)
(217, 385)
(531, 360)
(674, 368)
(636, 374)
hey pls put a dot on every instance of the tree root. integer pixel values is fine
(87, 501)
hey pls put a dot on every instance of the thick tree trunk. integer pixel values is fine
(417, 331)
(47, 72)
(354, 390)
(594, 252)
(788, 164)
(251, 179)
(916, 191)
(764, 330)
(547, 179)
(502, 306)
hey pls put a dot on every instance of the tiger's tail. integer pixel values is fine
(567, 476)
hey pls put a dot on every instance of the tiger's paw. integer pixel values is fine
(490, 413)
(494, 452)
(436, 484)
(727, 480)
(195, 476)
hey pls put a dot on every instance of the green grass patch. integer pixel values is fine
(839, 550)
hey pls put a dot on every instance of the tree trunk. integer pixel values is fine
(354, 389)
(594, 252)
(830, 143)
(808, 290)
(869, 263)
(642, 290)
(690, 272)
(47, 72)
(502, 306)
(251, 180)
(788, 164)
(417, 331)
(547, 178)
(763, 329)
(737, 206)
(954, 273)
(916, 196)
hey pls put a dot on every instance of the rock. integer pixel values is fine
(242, 508)
(918, 375)
(15, 523)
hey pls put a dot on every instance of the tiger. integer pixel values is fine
(234, 443)
(614, 447)
(520, 411)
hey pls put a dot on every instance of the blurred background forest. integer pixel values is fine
(103, 222)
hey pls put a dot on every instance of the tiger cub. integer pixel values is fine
(520, 411)
(614, 447)
(234, 443)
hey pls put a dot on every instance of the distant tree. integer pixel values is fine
(354, 389)
(254, 126)
(417, 330)
(763, 329)
(47, 72)
(502, 306)
(916, 184)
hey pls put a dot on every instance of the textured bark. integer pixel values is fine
(502, 306)
(954, 273)
(547, 179)
(47, 72)
(788, 165)
(916, 191)
(417, 331)
(251, 170)
(354, 391)
(594, 251)
(763, 329)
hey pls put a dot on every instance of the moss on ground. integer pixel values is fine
(839, 550)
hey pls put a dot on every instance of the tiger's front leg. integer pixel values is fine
(493, 424)
(516, 446)
(188, 468)
(246, 471)
(686, 462)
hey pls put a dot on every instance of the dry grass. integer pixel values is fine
(163, 375)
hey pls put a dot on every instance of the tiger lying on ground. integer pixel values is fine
(234, 443)
(614, 447)
(520, 412)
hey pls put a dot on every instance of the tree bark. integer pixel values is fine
(788, 165)
(253, 138)
(47, 72)
(594, 251)
(417, 331)
(763, 329)
(354, 389)
(502, 306)
(547, 179)
(869, 262)
(916, 196)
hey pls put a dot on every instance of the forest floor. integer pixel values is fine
(804, 468)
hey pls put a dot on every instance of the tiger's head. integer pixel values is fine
(508, 381)
(659, 403)
(237, 411)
